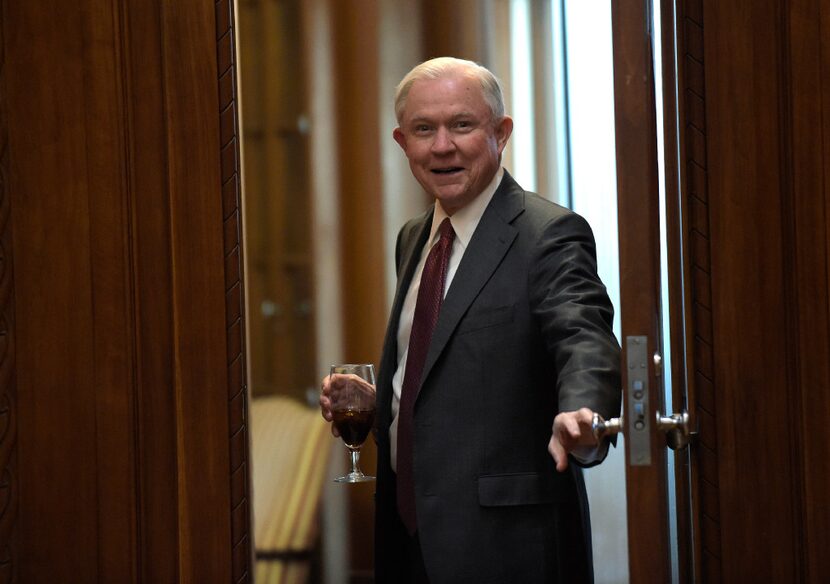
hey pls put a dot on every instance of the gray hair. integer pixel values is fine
(443, 66)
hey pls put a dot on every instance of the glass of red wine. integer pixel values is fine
(352, 395)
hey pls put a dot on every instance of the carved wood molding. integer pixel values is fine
(234, 294)
(8, 413)
(696, 193)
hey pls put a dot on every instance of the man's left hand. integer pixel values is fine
(571, 430)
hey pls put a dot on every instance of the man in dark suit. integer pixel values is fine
(480, 409)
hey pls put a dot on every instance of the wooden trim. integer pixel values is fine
(8, 377)
(201, 350)
(806, 228)
(237, 391)
(638, 218)
(679, 292)
(696, 248)
(157, 536)
(801, 148)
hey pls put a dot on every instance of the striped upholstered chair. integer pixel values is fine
(290, 446)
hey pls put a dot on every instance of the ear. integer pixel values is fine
(504, 128)
(400, 138)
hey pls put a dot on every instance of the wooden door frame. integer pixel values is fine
(639, 238)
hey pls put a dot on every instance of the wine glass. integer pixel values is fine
(352, 395)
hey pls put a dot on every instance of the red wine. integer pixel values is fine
(354, 425)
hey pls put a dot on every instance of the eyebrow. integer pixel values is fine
(421, 119)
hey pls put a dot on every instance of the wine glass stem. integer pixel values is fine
(355, 460)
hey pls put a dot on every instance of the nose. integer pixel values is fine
(442, 144)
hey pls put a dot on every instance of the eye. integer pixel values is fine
(422, 129)
(463, 125)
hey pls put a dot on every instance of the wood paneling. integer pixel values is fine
(752, 356)
(194, 170)
(125, 400)
(755, 113)
(155, 417)
(70, 355)
(8, 379)
(807, 230)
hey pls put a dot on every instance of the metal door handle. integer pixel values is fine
(675, 426)
(602, 428)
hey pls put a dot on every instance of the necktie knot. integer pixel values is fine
(446, 232)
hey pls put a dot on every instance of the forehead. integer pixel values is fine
(450, 94)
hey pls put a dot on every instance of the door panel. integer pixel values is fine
(765, 94)
(752, 220)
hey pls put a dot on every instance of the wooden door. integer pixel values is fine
(123, 439)
(757, 127)
(747, 159)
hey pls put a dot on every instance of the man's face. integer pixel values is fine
(450, 138)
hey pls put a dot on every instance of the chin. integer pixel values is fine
(448, 198)
(449, 192)
(453, 203)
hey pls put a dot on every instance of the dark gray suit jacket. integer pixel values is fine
(525, 331)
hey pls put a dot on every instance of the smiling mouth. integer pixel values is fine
(451, 170)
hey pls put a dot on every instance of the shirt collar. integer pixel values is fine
(465, 220)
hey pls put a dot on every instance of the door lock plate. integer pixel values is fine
(638, 422)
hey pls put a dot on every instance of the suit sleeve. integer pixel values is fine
(575, 316)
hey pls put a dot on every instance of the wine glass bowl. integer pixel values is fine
(352, 396)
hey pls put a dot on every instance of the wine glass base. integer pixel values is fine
(354, 478)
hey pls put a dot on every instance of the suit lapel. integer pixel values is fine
(490, 242)
(410, 255)
(411, 246)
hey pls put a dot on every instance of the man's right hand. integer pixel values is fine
(572, 431)
(332, 385)
(325, 403)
